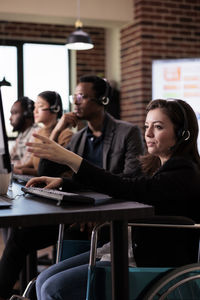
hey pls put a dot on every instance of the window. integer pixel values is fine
(32, 68)
(46, 68)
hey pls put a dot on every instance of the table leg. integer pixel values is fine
(60, 241)
(119, 260)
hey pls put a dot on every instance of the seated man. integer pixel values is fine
(108, 143)
(105, 141)
(22, 120)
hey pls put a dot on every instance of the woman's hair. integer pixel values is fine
(186, 129)
(55, 102)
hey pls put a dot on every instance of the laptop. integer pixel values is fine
(5, 201)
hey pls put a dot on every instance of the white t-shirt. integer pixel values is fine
(104, 252)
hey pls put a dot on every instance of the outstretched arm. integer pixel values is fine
(51, 150)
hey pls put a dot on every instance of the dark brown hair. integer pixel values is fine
(181, 115)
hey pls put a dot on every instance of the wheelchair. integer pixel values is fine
(148, 281)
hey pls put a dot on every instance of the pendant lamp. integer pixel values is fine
(79, 39)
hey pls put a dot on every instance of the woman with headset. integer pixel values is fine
(169, 180)
(47, 111)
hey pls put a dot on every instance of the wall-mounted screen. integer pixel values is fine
(178, 78)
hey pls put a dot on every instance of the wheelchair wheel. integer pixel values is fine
(182, 283)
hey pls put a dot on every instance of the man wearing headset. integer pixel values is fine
(108, 143)
(22, 121)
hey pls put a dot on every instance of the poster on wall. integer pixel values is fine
(180, 79)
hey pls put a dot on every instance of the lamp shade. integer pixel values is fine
(79, 40)
(4, 82)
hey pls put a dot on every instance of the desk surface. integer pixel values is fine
(31, 211)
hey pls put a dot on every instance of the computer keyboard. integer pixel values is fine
(59, 196)
(22, 178)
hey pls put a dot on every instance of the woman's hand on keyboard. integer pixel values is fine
(49, 149)
(46, 182)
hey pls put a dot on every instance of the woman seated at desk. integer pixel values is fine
(48, 109)
(170, 182)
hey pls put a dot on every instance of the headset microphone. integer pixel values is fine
(45, 109)
(52, 109)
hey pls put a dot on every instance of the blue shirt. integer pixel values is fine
(93, 151)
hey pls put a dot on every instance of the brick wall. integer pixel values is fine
(90, 61)
(93, 61)
(161, 29)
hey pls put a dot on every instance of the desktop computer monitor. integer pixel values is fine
(5, 164)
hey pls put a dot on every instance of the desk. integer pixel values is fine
(33, 211)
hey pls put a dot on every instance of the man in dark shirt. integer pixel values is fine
(105, 141)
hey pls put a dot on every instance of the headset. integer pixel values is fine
(183, 134)
(54, 108)
(104, 100)
(28, 106)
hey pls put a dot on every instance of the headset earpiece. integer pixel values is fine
(28, 112)
(105, 99)
(183, 134)
(186, 135)
(55, 108)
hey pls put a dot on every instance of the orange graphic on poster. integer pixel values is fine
(170, 87)
(172, 74)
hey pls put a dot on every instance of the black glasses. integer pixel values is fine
(79, 98)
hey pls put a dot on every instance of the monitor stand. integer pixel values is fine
(4, 183)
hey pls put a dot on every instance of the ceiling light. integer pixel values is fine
(79, 39)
